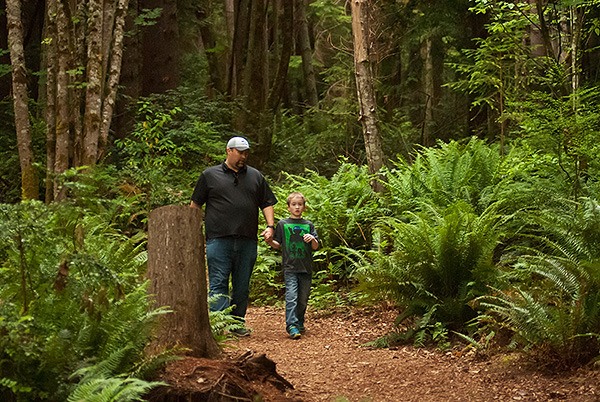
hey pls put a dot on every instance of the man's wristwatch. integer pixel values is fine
(270, 226)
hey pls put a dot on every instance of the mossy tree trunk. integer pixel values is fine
(29, 180)
(176, 269)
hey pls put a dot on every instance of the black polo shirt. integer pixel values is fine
(233, 200)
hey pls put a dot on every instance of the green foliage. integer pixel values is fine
(489, 72)
(566, 128)
(267, 285)
(442, 176)
(316, 142)
(166, 152)
(147, 147)
(222, 323)
(147, 17)
(552, 302)
(435, 263)
(101, 382)
(71, 290)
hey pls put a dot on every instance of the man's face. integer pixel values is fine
(237, 159)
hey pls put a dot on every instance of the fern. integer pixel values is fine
(445, 175)
(112, 389)
(222, 323)
(438, 261)
(553, 304)
(103, 381)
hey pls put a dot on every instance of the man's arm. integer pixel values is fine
(196, 206)
(269, 214)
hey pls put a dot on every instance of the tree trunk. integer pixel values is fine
(217, 62)
(239, 44)
(428, 91)
(256, 78)
(161, 50)
(310, 83)
(29, 182)
(93, 97)
(365, 91)
(130, 77)
(544, 30)
(287, 29)
(177, 273)
(50, 112)
(256, 84)
(114, 73)
(63, 100)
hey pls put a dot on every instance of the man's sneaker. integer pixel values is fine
(294, 332)
(301, 329)
(242, 331)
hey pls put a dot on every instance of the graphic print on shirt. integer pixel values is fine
(294, 233)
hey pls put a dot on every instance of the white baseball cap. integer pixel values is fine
(239, 143)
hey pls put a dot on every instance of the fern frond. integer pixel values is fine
(112, 389)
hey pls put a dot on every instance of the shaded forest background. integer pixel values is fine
(448, 151)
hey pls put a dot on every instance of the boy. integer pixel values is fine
(297, 239)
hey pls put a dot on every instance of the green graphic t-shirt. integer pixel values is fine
(296, 254)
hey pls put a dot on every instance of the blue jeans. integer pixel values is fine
(297, 290)
(230, 257)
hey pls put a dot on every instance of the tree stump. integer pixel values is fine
(177, 273)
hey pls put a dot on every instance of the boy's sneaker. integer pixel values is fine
(294, 332)
(242, 331)
(301, 329)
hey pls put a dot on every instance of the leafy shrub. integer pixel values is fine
(553, 301)
(442, 176)
(156, 159)
(433, 263)
(102, 382)
(71, 290)
(267, 286)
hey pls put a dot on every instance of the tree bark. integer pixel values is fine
(310, 83)
(29, 182)
(287, 29)
(63, 100)
(177, 274)
(50, 111)
(130, 77)
(114, 73)
(428, 91)
(161, 50)
(93, 97)
(239, 44)
(365, 91)
(256, 79)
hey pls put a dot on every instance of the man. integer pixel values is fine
(232, 193)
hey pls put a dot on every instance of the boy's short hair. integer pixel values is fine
(294, 195)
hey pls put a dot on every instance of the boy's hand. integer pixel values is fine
(308, 238)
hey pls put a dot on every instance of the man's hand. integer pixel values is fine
(267, 234)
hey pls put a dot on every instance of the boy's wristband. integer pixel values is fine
(270, 226)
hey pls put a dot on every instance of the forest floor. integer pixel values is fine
(331, 363)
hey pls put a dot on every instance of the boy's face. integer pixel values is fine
(296, 207)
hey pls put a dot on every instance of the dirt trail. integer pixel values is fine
(329, 364)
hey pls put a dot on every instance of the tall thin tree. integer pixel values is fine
(364, 86)
(29, 182)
